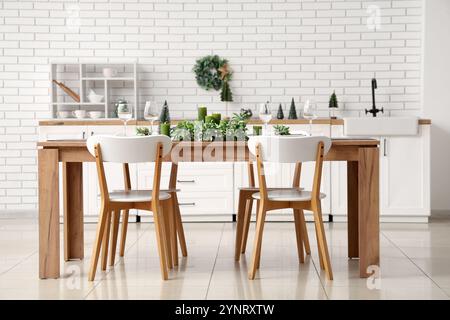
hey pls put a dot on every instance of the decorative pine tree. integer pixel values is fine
(333, 101)
(280, 113)
(292, 111)
(165, 115)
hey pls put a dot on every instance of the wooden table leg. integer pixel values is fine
(48, 213)
(239, 225)
(352, 209)
(369, 209)
(73, 210)
(177, 215)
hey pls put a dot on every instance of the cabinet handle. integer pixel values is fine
(92, 133)
(385, 147)
(84, 135)
(186, 181)
(186, 203)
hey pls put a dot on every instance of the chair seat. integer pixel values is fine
(288, 195)
(268, 189)
(135, 196)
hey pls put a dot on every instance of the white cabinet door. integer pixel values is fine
(405, 175)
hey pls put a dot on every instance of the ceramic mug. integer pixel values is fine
(109, 72)
(64, 114)
(80, 114)
(95, 114)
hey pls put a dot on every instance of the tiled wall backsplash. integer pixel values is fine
(278, 49)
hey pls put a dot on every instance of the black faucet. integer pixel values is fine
(374, 109)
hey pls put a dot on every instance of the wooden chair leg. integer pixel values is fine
(258, 241)
(179, 227)
(240, 225)
(322, 241)
(305, 237)
(124, 232)
(114, 235)
(97, 243)
(299, 235)
(173, 231)
(161, 241)
(105, 242)
(174, 228)
(165, 213)
(247, 218)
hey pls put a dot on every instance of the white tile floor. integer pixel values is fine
(415, 264)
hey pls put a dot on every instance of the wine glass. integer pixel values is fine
(310, 113)
(151, 113)
(125, 114)
(265, 114)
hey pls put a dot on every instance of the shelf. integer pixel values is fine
(108, 79)
(124, 80)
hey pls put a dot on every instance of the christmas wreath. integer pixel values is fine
(211, 72)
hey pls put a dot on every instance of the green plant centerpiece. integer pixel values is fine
(281, 130)
(143, 131)
(333, 104)
(212, 72)
(234, 129)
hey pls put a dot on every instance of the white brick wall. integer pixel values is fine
(278, 49)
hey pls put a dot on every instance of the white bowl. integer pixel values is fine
(95, 114)
(95, 98)
(64, 114)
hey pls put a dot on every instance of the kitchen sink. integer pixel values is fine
(384, 126)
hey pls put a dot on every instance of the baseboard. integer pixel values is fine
(390, 219)
(18, 214)
(275, 217)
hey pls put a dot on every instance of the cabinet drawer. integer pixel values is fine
(206, 203)
(192, 177)
(62, 133)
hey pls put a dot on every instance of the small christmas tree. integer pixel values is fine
(280, 113)
(165, 115)
(333, 104)
(333, 101)
(292, 111)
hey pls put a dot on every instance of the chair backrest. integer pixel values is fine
(122, 149)
(288, 149)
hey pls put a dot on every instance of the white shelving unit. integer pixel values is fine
(82, 76)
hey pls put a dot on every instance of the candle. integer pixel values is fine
(209, 119)
(165, 129)
(216, 117)
(202, 111)
(257, 130)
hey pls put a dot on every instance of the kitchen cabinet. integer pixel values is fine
(404, 178)
(206, 188)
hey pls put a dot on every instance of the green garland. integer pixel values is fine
(211, 72)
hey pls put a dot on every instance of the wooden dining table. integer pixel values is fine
(361, 156)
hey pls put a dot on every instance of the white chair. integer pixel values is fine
(126, 150)
(290, 149)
